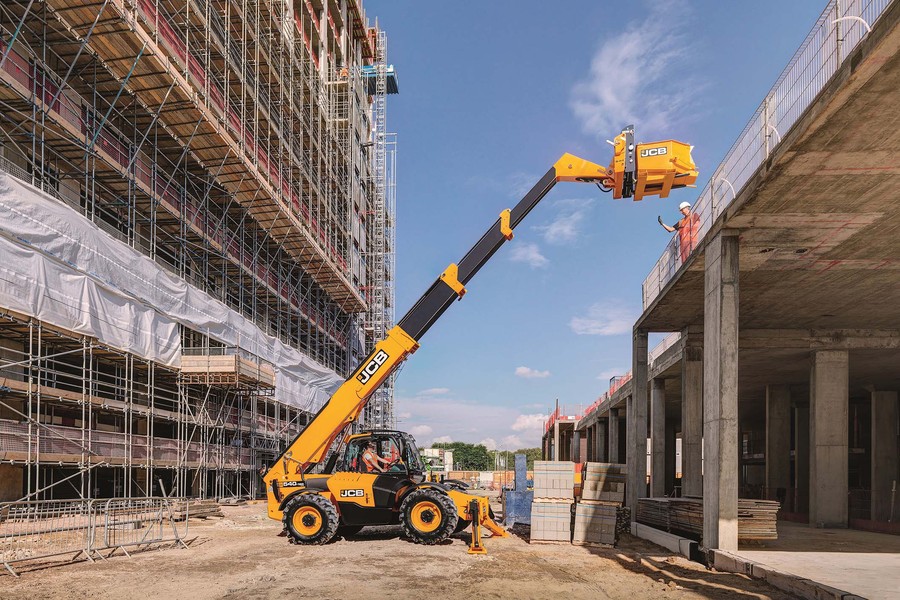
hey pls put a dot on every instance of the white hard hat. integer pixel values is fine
(684, 205)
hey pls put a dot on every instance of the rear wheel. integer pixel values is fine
(310, 519)
(428, 516)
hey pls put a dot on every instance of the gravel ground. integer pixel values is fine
(241, 556)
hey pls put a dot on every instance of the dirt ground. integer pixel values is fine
(241, 557)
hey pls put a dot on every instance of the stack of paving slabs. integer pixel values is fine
(599, 514)
(595, 524)
(604, 482)
(551, 511)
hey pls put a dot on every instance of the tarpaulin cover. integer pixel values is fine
(57, 266)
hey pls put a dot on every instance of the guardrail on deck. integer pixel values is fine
(837, 31)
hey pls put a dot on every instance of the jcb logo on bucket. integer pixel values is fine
(654, 151)
(365, 374)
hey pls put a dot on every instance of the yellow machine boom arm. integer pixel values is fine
(636, 170)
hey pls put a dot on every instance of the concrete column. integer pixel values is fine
(692, 420)
(636, 451)
(720, 393)
(778, 439)
(829, 406)
(885, 454)
(658, 448)
(801, 457)
(556, 446)
(670, 457)
(613, 446)
(601, 443)
(580, 447)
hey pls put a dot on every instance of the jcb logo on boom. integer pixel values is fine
(372, 366)
(655, 151)
(352, 493)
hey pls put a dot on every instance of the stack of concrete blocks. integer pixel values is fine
(603, 482)
(594, 524)
(597, 512)
(551, 511)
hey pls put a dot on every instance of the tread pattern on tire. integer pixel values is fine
(326, 508)
(450, 517)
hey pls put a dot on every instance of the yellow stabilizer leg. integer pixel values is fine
(486, 521)
(475, 546)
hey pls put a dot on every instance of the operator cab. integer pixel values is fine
(396, 447)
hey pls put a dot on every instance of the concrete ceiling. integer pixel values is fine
(820, 222)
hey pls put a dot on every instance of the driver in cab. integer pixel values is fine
(373, 462)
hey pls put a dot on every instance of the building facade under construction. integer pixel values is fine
(196, 232)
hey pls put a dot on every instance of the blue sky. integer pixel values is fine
(491, 94)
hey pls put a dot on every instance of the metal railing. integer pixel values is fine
(37, 531)
(664, 344)
(837, 31)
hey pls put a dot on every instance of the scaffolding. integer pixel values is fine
(81, 419)
(380, 257)
(226, 141)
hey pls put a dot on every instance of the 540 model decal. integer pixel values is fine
(366, 373)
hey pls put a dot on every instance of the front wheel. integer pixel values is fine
(310, 519)
(428, 516)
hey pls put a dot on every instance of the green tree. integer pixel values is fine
(468, 457)
(531, 455)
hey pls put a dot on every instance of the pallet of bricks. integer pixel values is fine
(599, 515)
(551, 510)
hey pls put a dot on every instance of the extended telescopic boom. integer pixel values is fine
(636, 170)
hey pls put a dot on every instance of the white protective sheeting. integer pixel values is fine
(59, 267)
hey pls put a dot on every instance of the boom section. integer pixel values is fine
(666, 165)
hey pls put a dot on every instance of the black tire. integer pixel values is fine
(428, 516)
(310, 519)
(348, 530)
(461, 524)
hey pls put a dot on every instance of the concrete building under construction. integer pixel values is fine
(777, 377)
(196, 220)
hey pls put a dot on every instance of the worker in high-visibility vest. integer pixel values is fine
(688, 228)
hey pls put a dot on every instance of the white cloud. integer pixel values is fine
(566, 226)
(529, 373)
(437, 391)
(609, 374)
(604, 318)
(489, 443)
(529, 254)
(421, 431)
(641, 76)
(451, 420)
(529, 422)
(512, 442)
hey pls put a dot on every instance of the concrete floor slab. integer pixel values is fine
(859, 562)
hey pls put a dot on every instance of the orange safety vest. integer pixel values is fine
(370, 460)
(688, 235)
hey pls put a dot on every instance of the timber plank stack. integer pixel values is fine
(756, 518)
(196, 509)
(551, 510)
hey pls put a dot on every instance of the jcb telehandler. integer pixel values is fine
(348, 491)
